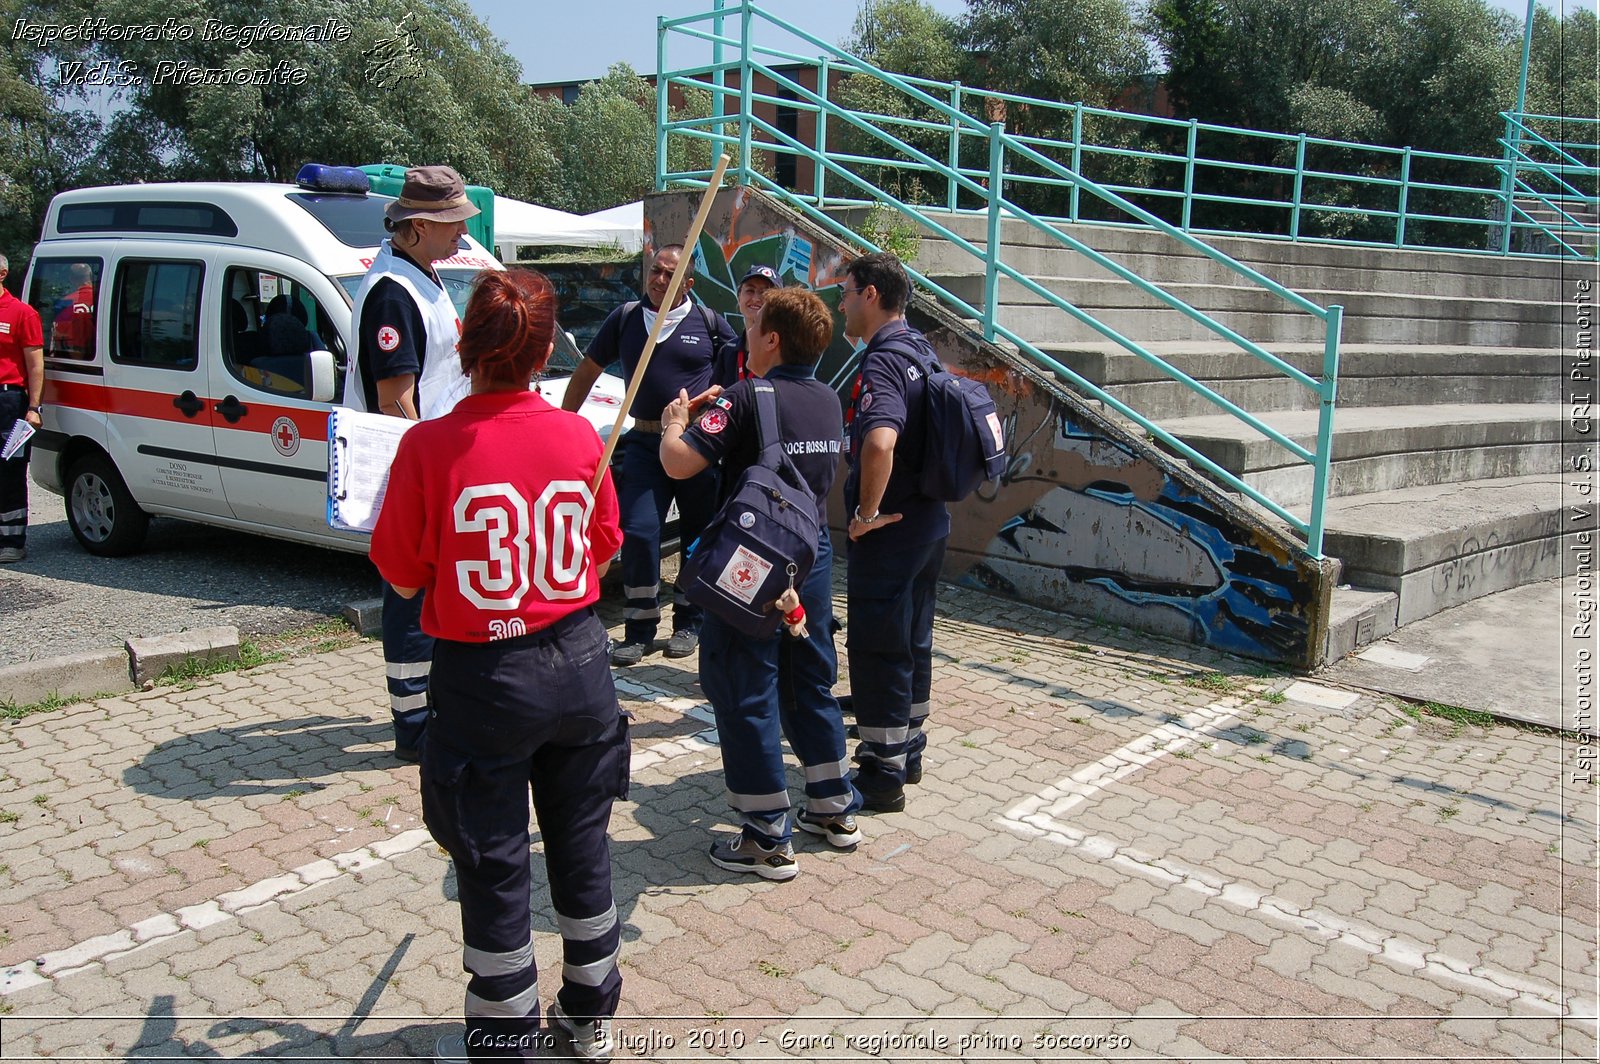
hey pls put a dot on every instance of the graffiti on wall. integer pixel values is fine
(1087, 518)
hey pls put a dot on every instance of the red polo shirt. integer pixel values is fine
(489, 510)
(19, 328)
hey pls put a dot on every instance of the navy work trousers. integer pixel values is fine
(407, 657)
(13, 474)
(891, 590)
(644, 496)
(766, 690)
(536, 712)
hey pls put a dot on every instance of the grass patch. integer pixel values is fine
(10, 709)
(1276, 698)
(1217, 682)
(8, 817)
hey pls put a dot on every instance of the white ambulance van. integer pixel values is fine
(196, 336)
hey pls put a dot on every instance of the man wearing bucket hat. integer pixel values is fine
(406, 366)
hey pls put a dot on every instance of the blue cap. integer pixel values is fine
(766, 273)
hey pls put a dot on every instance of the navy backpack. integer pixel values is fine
(964, 443)
(763, 540)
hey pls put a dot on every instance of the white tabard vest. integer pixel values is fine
(442, 384)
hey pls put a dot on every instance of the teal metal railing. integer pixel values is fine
(1557, 178)
(752, 133)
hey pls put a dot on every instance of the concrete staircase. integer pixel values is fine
(1446, 481)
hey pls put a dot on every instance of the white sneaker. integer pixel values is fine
(451, 1049)
(591, 1039)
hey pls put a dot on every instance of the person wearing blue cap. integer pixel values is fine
(733, 359)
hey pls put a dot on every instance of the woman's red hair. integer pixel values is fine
(511, 319)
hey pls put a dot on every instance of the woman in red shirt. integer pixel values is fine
(489, 510)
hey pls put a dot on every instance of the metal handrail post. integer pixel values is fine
(718, 77)
(1299, 186)
(1188, 174)
(1405, 199)
(1323, 467)
(955, 144)
(661, 103)
(991, 259)
(746, 88)
(820, 172)
(1077, 155)
(1508, 178)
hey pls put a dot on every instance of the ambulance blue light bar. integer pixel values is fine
(319, 177)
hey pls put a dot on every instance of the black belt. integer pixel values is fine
(13, 387)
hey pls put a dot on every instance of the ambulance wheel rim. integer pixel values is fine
(93, 507)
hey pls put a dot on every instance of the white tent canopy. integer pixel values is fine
(516, 222)
(626, 221)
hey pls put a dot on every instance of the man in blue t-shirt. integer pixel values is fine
(766, 690)
(683, 361)
(897, 535)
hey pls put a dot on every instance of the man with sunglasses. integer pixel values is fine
(684, 359)
(897, 534)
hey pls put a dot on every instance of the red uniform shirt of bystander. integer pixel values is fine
(19, 328)
(489, 509)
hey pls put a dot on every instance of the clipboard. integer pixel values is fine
(21, 432)
(361, 447)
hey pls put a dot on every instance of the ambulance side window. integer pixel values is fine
(270, 324)
(158, 314)
(65, 293)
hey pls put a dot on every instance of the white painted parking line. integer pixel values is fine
(1394, 658)
(1317, 695)
(1393, 950)
(61, 963)
(1087, 782)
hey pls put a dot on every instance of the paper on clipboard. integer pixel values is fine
(16, 439)
(361, 448)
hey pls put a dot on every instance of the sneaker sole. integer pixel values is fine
(764, 871)
(562, 1024)
(836, 840)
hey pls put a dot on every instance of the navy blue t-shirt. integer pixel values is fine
(890, 392)
(686, 359)
(810, 423)
(391, 338)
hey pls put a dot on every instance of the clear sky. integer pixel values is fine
(578, 39)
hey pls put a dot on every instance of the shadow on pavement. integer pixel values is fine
(262, 757)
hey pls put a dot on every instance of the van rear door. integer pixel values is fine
(158, 388)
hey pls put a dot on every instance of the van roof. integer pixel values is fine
(338, 233)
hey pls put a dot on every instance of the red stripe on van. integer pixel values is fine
(157, 406)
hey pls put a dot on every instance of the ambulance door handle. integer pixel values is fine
(189, 404)
(231, 409)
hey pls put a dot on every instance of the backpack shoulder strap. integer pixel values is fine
(767, 432)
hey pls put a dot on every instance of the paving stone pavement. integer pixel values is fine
(1121, 849)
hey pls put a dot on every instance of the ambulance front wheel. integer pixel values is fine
(100, 509)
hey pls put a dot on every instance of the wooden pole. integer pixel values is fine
(684, 265)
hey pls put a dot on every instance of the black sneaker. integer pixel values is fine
(740, 853)
(885, 800)
(626, 654)
(914, 773)
(683, 643)
(409, 754)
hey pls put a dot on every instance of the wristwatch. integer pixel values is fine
(867, 520)
(37, 409)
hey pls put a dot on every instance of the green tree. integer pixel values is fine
(910, 38)
(601, 151)
(452, 95)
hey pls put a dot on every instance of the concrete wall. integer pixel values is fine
(1088, 519)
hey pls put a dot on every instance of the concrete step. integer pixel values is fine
(1358, 616)
(1180, 265)
(1267, 318)
(1437, 546)
(1384, 448)
(1411, 324)
(1369, 375)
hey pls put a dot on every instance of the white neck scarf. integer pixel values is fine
(670, 322)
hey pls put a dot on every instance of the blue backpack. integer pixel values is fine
(964, 443)
(762, 541)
